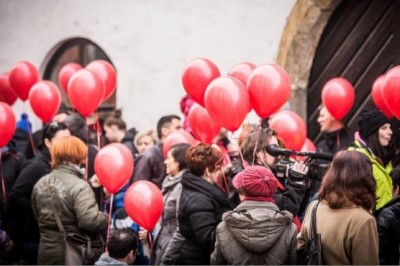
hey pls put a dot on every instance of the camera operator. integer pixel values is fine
(291, 191)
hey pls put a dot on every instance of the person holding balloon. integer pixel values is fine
(374, 139)
(24, 230)
(202, 204)
(171, 190)
(71, 196)
(336, 137)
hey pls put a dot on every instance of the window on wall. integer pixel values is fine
(76, 50)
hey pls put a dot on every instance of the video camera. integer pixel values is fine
(316, 169)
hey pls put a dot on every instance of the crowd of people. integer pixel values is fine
(224, 203)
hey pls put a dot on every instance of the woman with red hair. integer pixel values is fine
(72, 197)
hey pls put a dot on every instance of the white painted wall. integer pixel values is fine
(149, 41)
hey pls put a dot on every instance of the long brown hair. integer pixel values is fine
(349, 180)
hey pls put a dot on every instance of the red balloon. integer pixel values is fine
(45, 92)
(7, 124)
(106, 72)
(114, 166)
(290, 129)
(227, 102)
(22, 77)
(66, 73)
(377, 96)
(85, 91)
(177, 137)
(203, 126)
(242, 71)
(269, 88)
(7, 94)
(144, 203)
(308, 146)
(197, 75)
(338, 97)
(391, 90)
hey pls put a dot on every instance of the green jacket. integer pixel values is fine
(79, 212)
(381, 174)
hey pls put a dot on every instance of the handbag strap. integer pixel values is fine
(58, 220)
(313, 226)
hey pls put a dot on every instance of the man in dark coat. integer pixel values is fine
(150, 164)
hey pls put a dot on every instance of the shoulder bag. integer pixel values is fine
(311, 254)
(80, 249)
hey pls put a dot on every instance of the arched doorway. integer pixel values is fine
(358, 40)
(77, 50)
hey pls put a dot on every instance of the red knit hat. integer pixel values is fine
(256, 181)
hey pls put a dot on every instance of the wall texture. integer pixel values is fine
(149, 41)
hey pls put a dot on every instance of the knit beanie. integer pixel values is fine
(369, 122)
(24, 123)
(256, 181)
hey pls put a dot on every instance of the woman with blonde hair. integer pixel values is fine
(145, 140)
(72, 198)
(343, 214)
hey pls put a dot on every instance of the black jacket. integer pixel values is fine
(201, 207)
(150, 166)
(335, 141)
(12, 162)
(20, 196)
(388, 222)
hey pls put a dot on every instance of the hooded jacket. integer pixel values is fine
(171, 191)
(381, 174)
(255, 232)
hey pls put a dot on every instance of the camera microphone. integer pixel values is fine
(275, 150)
(317, 155)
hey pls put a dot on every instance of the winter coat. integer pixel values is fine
(150, 166)
(381, 174)
(105, 259)
(20, 205)
(388, 221)
(12, 163)
(128, 142)
(332, 143)
(348, 235)
(171, 191)
(254, 233)
(201, 207)
(79, 213)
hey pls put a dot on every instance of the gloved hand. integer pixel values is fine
(298, 172)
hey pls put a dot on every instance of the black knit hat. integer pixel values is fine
(369, 122)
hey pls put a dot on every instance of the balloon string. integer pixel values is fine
(87, 157)
(30, 131)
(109, 217)
(150, 239)
(240, 152)
(3, 186)
(98, 133)
(258, 132)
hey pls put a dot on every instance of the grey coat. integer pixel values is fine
(255, 232)
(171, 191)
(79, 212)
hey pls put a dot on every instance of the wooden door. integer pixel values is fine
(359, 43)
